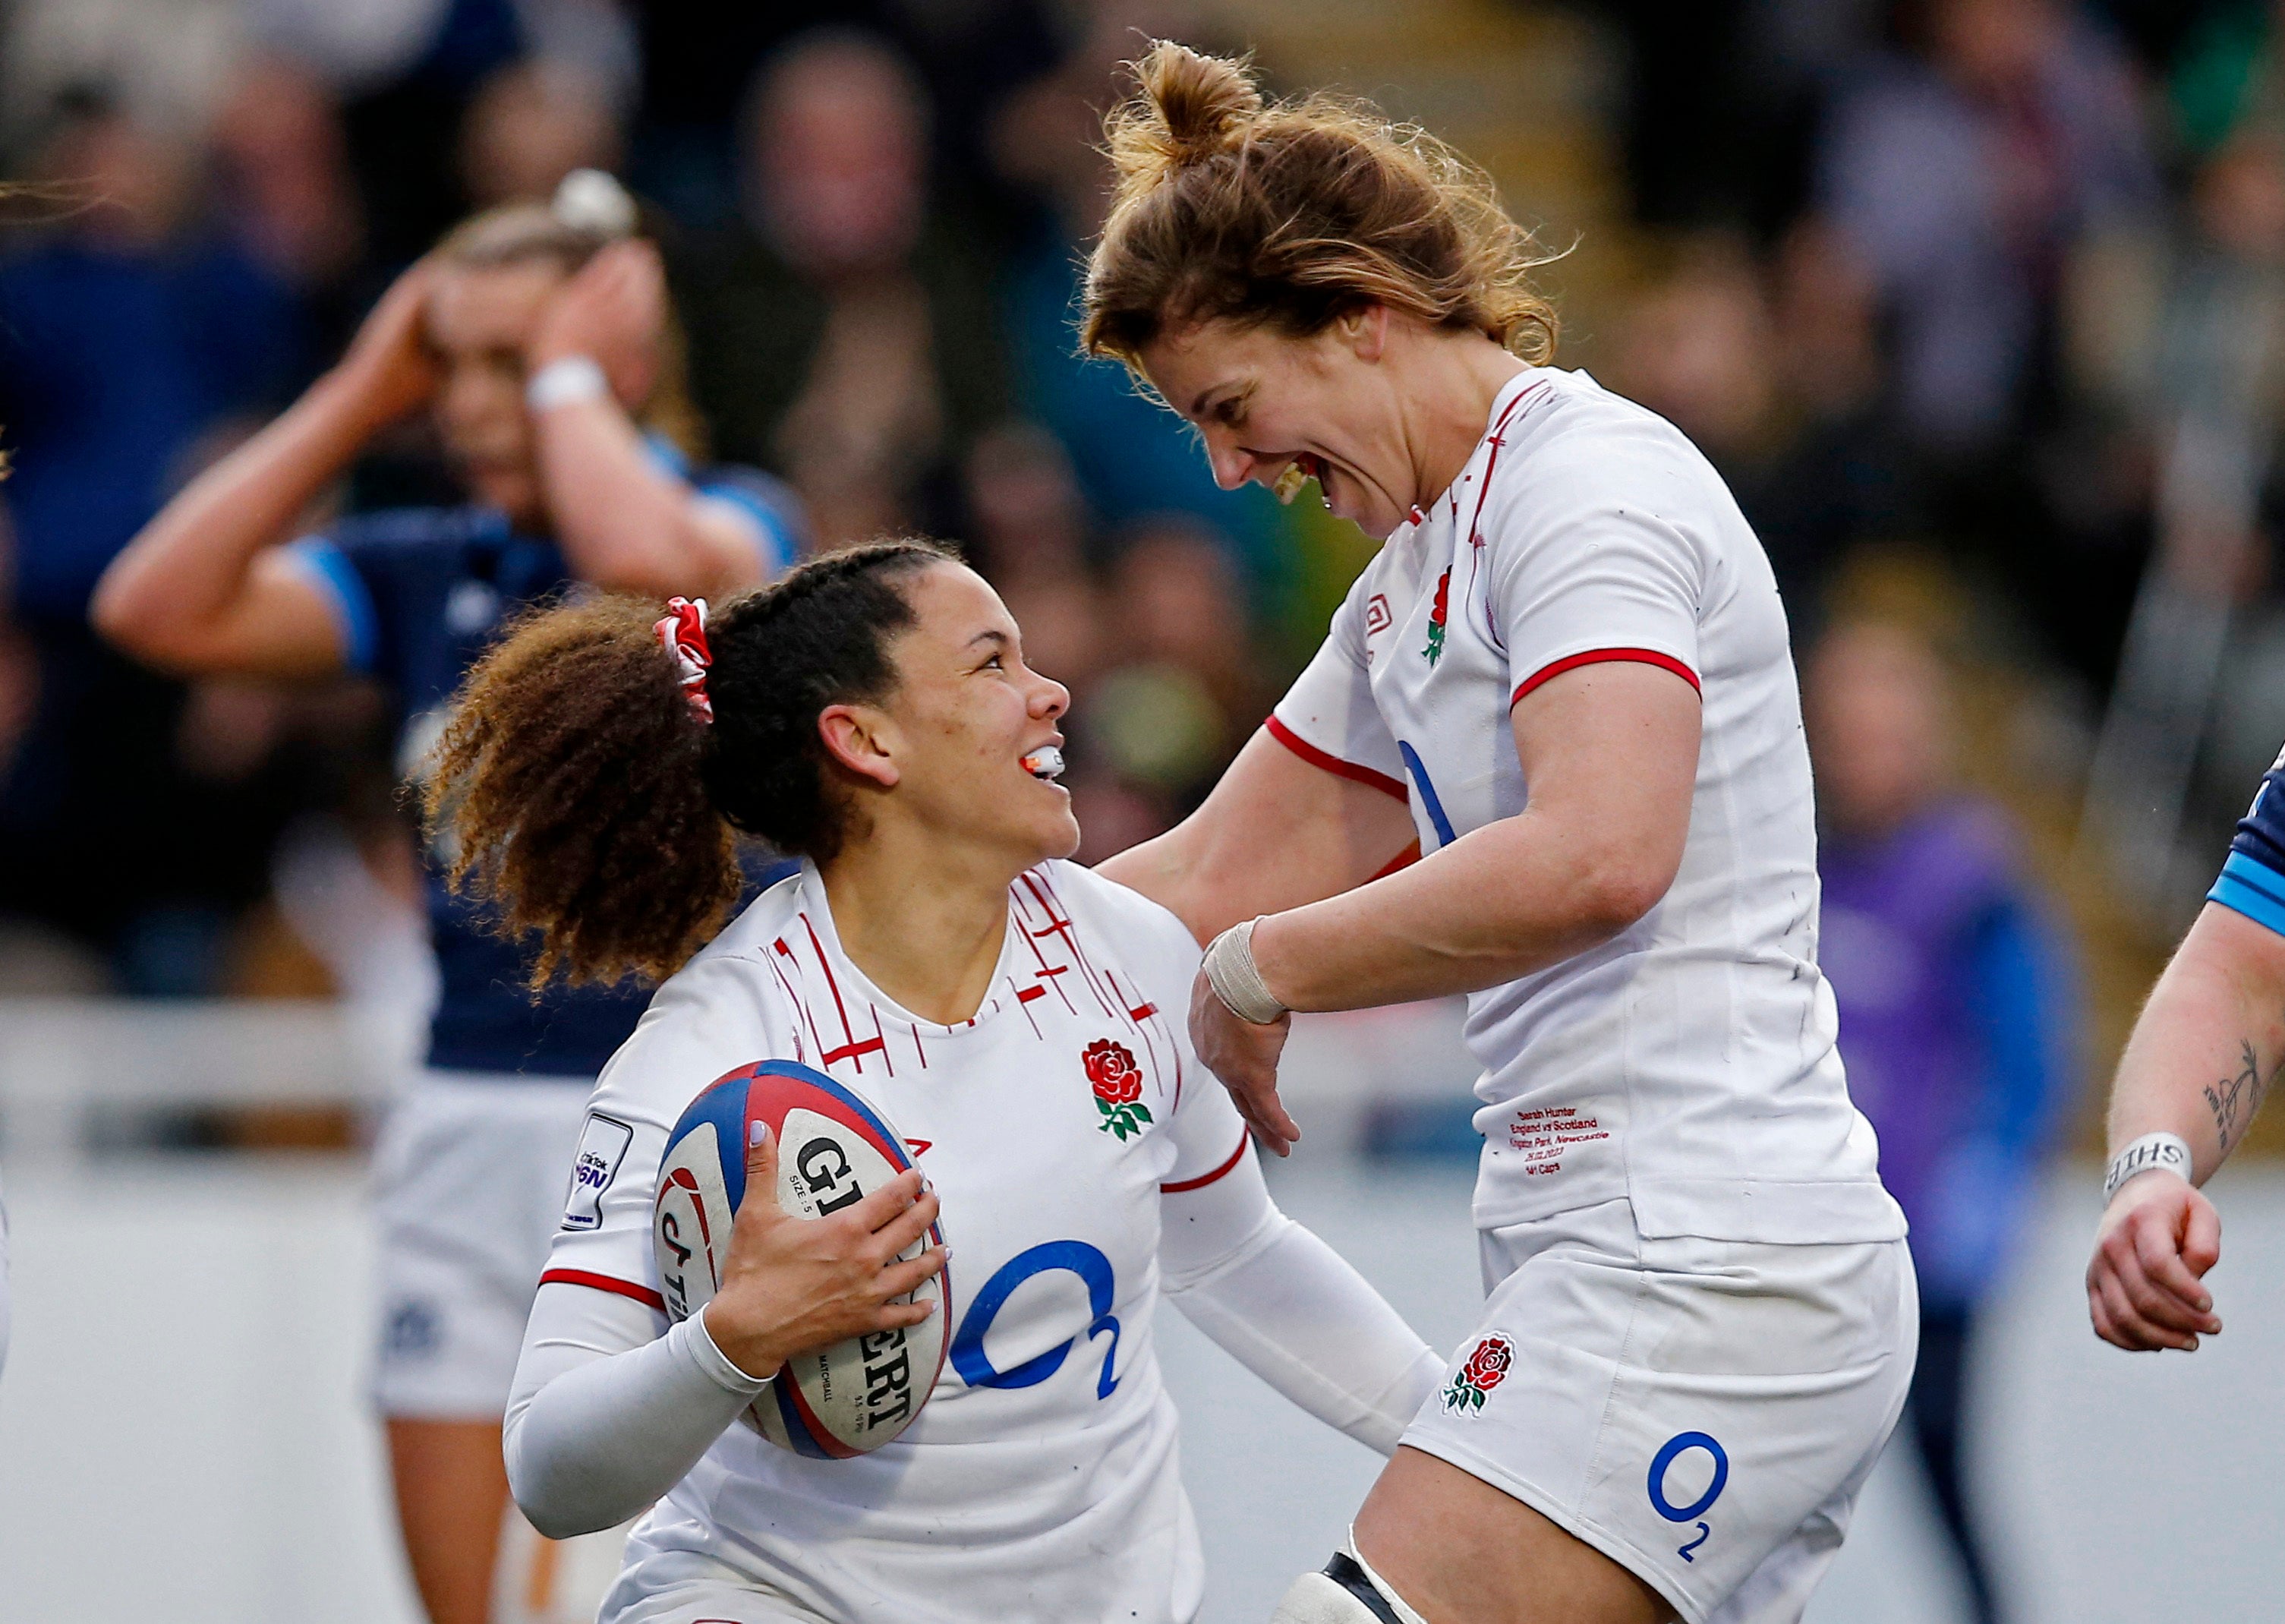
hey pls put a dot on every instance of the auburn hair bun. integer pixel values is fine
(1292, 213)
(1189, 108)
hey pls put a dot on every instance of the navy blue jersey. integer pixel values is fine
(418, 595)
(2252, 880)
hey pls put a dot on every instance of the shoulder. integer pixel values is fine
(1121, 912)
(741, 948)
(1569, 434)
(1575, 459)
(723, 1009)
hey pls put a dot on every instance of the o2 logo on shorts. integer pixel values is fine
(1093, 1268)
(1673, 1449)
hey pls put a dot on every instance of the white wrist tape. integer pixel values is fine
(565, 383)
(1236, 978)
(2148, 1154)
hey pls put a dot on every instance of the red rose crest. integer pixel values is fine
(1118, 1084)
(1437, 613)
(1485, 1370)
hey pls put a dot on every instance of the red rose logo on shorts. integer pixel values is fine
(1118, 1084)
(1485, 1370)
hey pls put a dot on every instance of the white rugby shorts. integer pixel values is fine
(470, 1176)
(1703, 1412)
(683, 1586)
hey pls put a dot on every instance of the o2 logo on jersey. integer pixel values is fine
(1093, 1268)
(1672, 1450)
(602, 1147)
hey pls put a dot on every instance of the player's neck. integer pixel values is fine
(1455, 378)
(928, 933)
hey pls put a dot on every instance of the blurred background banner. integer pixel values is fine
(1975, 303)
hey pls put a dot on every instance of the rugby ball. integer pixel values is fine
(833, 1149)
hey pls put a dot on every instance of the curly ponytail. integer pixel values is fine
(1293, 214)
(578, 794)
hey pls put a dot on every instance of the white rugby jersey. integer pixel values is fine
(1040, 1481)
(1687, 1065)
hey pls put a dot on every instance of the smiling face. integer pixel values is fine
(477, 321)
(1266, 403)
(945, 752)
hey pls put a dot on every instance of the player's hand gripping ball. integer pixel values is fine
(833, 1149)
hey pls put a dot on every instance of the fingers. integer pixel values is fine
(2128, 1307)
(2110, 1328)
(882, 1205)
(761, 1168)
(2201, 1235)
(2163, 1287)
(1265, 1114)
(900, 1234)
(894, 1317)
(2137, 1331)
(903, 1279)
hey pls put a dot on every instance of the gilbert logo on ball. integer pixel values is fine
(1118, 1084)
(1485, 1370)
(833, 1149)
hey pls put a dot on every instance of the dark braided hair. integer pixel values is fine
(580, 796)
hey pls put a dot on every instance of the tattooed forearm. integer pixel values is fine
(2234, 1099)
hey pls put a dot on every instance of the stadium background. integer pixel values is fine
(1974, 301)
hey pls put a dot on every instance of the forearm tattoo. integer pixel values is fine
(2234, 1099)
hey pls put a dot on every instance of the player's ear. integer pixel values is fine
(857, 737)
(1364, 330)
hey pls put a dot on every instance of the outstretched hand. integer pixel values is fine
(1244, 1057)
(791, 1284)
(2145, 1285)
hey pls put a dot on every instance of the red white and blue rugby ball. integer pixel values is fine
(833, 1149)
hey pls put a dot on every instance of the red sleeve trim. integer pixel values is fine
(1600, 656)
(644, 1295)
(1403, 859)
(1334, 765)
(1245, 1140)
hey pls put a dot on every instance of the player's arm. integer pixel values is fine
(207, 588)
(1289, 1307)
(625, 522)
(605, 1415)
(1279, 830)
(2204, 1053)
(1611, 753)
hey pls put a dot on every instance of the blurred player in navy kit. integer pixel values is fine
(2203, 1055)
(538, 339)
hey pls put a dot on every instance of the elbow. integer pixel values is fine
(554, 1524)
(118, 619)
(544, 1493)
(1612, 891)
(124, 612)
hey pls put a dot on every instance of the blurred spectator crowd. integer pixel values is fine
(1935, 277)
